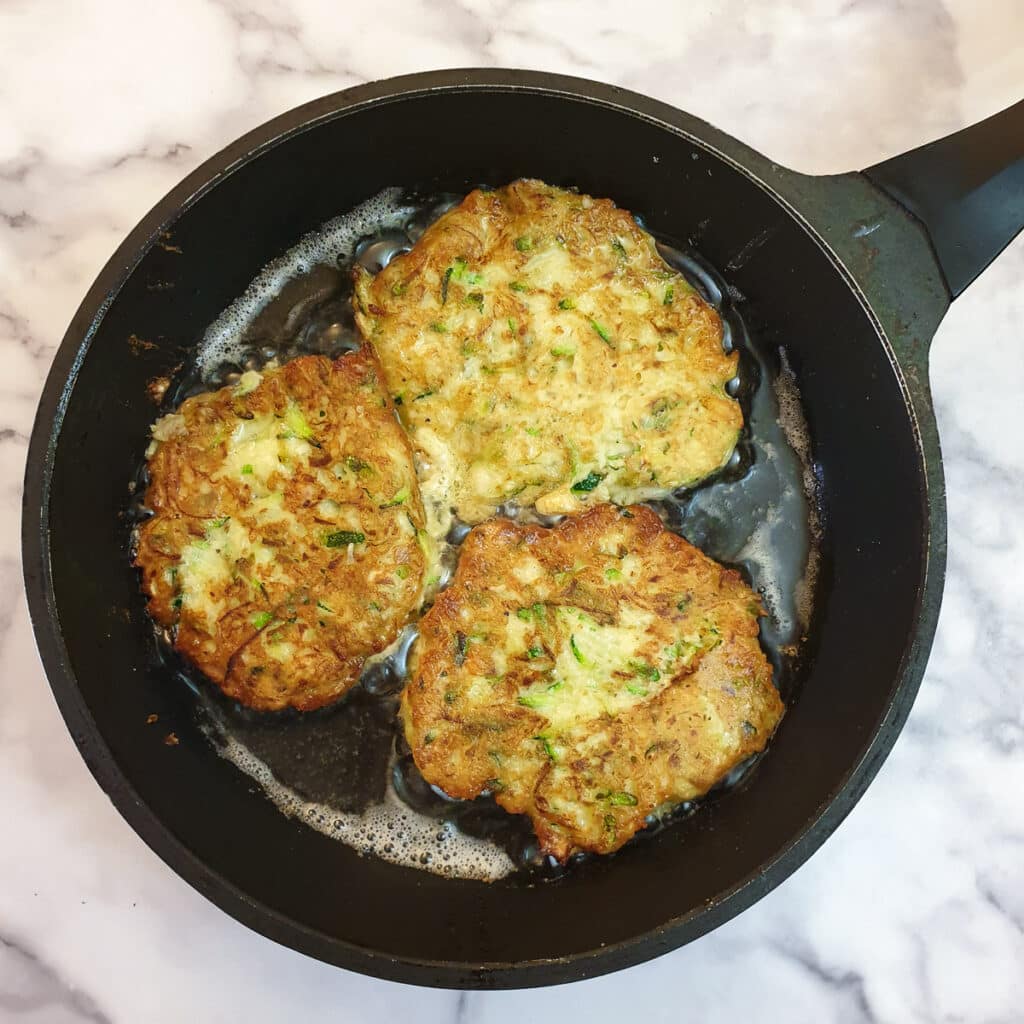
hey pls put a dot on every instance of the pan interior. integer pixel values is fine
(318, 894)
(346, 770)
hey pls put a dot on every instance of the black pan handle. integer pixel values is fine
(967, 190)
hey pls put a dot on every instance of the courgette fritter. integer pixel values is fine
(542, 351)
(587, 675)
(287, 540)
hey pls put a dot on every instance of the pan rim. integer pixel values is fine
(219, 890)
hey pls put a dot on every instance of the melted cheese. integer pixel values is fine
(207, 564)
(260, 448)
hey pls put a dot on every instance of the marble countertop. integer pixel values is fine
(914, 910)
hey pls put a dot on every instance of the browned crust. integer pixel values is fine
(352, 416)
(663, 750)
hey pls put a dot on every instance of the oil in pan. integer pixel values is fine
(346, 771)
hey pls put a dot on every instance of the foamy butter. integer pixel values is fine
(389, 830)
(760, 513)
(333, 243)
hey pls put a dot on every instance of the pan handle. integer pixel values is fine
(966, 189)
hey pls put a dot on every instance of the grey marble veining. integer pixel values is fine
(32, 989)
(914, 910)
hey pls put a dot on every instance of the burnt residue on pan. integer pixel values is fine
(346, 770)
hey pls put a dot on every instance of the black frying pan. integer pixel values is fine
(852, 273)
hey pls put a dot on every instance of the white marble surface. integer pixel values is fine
(914, 911)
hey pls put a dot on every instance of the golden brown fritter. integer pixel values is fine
(542, 351)
(287, 540)
(587, 675)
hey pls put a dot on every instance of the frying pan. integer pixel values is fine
(850, 273)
